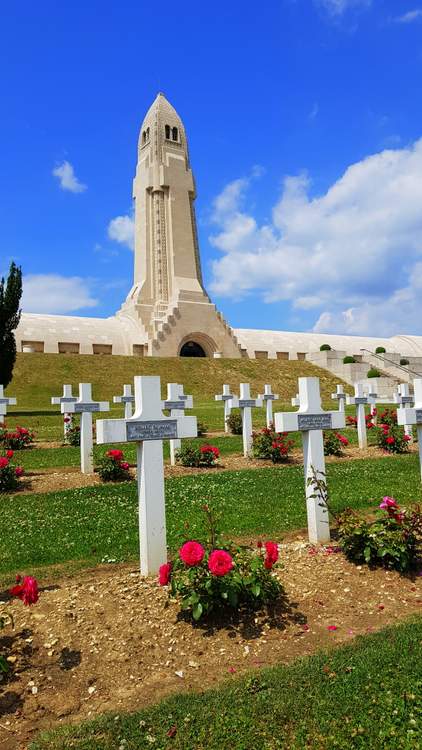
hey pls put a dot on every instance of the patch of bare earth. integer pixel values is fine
(107, 641)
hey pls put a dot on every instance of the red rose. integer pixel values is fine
(390, 441)
(115, 454)
(9, 454)
(164, 574)
(220, 562)
(66, 420)
(271, 556)
(3, 462)
(27, 590)
(191, 553)
(19, 471)
(124, 465)
(259, 544)
(406, 438)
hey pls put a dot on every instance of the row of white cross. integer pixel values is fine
(148, 427)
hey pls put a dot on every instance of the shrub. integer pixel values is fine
(392, 438)
(393, 540)
(202, 428)
(73, 435)
(268, 444)
(9, 472)
(348, 360)
(353, 421)
(113, 468)
(373, 373)
(197, 456)
(18, 439)
(388, 416)
(325, 348)
(234, 422)
(334, 443)
(404, 361)
(380, 350)
(216, 576)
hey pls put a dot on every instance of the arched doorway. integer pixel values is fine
(192, 349)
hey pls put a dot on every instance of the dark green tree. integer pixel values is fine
(10, 313)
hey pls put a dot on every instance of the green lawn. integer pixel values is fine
(363, 696)
(96, 523)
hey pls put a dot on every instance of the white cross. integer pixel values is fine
(148, 428)
(85, 406)
(409, 416)
(360, 400)
(403, 397)
(376, 399)
(268, 396)
(311, 420)
(176, 403)
(67, 398)
(4, 403)
(339, 396)
(246, 404)
(127, 399)
(230, 401)
(295, 401)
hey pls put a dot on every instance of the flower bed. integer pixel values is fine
(10, 473)
(113, 468)
(16, 439)
(214, 576)
(392, 438)
(271, 445)
(197, 456)
(334, 442)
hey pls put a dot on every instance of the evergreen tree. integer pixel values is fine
(10, 313)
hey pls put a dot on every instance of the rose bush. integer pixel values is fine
(16, 439)
(215, 576)
(268, 444)
(234, 422)
(197, 456)
(113, 468)
(392, 438)
(10, 473)
(334, 443)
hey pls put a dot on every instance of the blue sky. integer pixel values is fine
(303, 119)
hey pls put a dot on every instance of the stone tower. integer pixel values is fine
(168, 299)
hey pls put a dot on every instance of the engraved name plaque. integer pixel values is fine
(418, 413)
(174, 404)
(313, 422)
(165, 429)
(361, 400)
(68, 399)
(406, 399)
(245, 402)
(94, 406)
(4, 400)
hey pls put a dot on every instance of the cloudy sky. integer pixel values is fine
(304, 120)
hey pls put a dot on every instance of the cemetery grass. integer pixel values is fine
(363, 695)
(99, 523)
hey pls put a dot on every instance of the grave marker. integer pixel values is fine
(5, 401)
(404, 398)
(67, 398)
(310, 420)
(409, 416)
(295, 401)
(176, 403)
(148, 428)
(339, 396)
(360, 400)
(127, 399)
(246, 404)
(85, 406)
(230, 401)
(268, 397)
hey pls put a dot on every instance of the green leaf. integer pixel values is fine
(256, 589)
(367, 554)
(197, 611)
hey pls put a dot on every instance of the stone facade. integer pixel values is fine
(168, 313)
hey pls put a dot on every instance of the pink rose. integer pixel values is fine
(220, 562)
(191, 553)
(164, 574)
(271, 556)
(27, 590)
(388, 502)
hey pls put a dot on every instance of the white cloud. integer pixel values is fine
(410, 16)
(353, 255)
(122, 229)
(314, 111)
(338, 7)
(67, 178)
(52, 293)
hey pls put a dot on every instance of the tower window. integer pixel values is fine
(145, 136)
(174, 134)
(168, 132)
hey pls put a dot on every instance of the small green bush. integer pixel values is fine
(380, 350)
(268, 444)
(373, 373)
(73, 435)
(325, 348)
(234, 422)
(334, 443)
(404, 361)
(349, 360)
(197, 456)
(113, 468)
(202, 428)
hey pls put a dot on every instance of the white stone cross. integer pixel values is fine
(403, 397)
(67, 398)
(176, 403)
(295, 401)
(148, 428)
(4, 403)
(339, 396)
(311, 420)
(268, 397)
(127, 399)
(360, 400)
(409, 416)
(230, 401)
(85, 406)
(246, 404)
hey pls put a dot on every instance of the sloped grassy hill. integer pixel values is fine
(39, 376)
